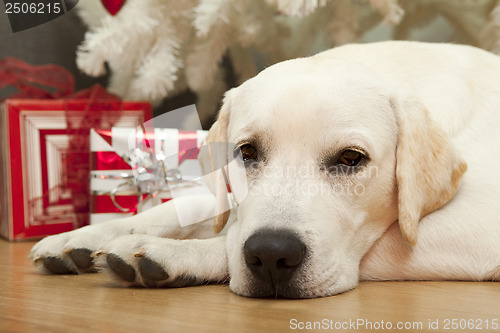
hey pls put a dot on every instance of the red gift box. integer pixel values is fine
(44, 159)
(116, 187)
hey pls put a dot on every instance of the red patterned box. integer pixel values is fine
(35, 147)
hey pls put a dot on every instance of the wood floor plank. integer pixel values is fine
(31, 302)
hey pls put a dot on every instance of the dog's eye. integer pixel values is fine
(350, 158)
(248, 152)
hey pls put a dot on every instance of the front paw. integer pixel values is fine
(145, 272)
(134, 261)
(67, 253)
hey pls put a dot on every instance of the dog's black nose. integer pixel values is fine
(273, 255)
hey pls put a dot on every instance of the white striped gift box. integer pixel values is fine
(121, 157)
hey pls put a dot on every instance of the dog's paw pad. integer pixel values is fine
(57, 266)
(151, 270)
(183, 281)
(82, 258)
(123, 270)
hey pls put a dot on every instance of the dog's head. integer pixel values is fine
(333, 156)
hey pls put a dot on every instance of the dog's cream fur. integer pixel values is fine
(426, 114)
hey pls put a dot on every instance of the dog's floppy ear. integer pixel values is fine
(428, 169)
(213, 161)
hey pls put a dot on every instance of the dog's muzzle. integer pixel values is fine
(272, 256)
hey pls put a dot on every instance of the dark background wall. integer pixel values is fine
(53, 42)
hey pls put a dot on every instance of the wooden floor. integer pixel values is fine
(30, 302)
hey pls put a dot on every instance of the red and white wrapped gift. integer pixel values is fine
(42, 165)
(44, 147)
(132, 169)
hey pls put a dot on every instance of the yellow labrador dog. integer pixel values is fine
(365, 162)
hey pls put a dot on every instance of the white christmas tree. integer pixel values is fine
(158, 48)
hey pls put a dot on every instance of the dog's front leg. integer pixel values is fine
(70, 252)
(142, 260)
